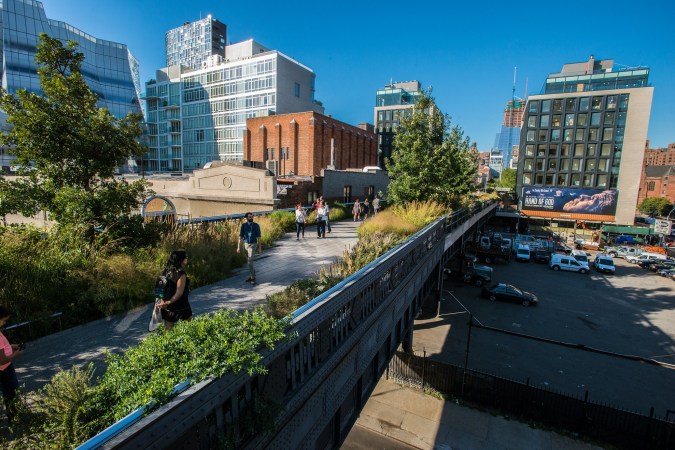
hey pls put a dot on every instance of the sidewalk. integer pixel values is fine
(276, 268)
(410, 418)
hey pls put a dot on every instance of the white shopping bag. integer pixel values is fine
(156, 319)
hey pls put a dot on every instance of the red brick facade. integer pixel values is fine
(305, 139)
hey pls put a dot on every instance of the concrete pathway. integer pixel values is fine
(276, 268)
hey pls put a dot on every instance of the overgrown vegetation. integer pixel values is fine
(656, 206)
(72, 407)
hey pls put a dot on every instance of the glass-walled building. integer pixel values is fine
(198, 116)
(509, 134)
(582, 144)
(391, 104)
(193, 43)
(109, 69)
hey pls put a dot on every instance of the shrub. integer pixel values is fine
(387, 222)
(420, 214)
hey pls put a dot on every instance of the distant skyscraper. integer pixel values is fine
(509, 134)
(195, 116)
(193, 43)
(583, 143)
(109, 69)
(391, 104)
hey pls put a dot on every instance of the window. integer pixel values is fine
(539, 179)
(565, 150)
(549, 179)
(569, 120)
(540, 164)
(546, 106)
(578, 149)
(562, 179)
(552, 151)
(603, 165)
(605, 149)
(575, 180)
(651, 186)
(583, 103)
(530, 136)
(568, 135)
(607, 134)
(534, 106)
(199, 136)
(623, 102)
(593, 134)
(347, 194)
(528, 165)
(544, 120)
(576, 164)
(555, 135)
(591, 149)
(602, 181)
(529, 149)
(582, 120)
(611, 102)
(595, 119)
(297, 89)
(569, 104)
(564, 164)
(609, 118)
(579, 134)
(556, 120)
(590, 165)
(541, 150)
(597, 103)
(532, 121)
(588, 180)
(527, 179)
(542, 135)
(552, 165)
(557, 105)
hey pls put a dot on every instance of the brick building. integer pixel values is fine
(660, 156)
(304, 143)
(655, 182)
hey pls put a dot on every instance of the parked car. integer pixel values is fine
(564, 262)
(509, 293)
(655, 266)
(542, 256)
(580, 256)
(645, 256)
(604, 263)
(622, 251)
(479, 275)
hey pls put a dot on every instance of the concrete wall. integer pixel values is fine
(222, 189)
(633, 153)
(290, 72)
(334, 182)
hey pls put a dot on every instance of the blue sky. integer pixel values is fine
(467, 52)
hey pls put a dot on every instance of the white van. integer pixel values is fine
(523, 253)
(604, 263)
(564, 262)
(580, 256)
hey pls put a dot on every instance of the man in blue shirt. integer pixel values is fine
(249, 235)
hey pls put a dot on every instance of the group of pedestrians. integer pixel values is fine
(361, 211)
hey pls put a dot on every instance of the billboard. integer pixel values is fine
(567, 200)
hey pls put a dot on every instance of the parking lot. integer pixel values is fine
(629, 313)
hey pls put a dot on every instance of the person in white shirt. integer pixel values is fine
(300, 221)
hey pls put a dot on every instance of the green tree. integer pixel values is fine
(659, 206)
(507, 179)
(431, 159)
(68, 147)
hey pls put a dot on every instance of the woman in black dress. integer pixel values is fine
(177, 306)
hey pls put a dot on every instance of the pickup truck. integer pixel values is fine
(623, 251)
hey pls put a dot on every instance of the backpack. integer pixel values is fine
(164, 287)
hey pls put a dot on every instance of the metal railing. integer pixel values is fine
(341, 341)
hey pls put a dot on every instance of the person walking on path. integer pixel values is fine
(8, 352)
(321, 220)
(376, 205)
(366, 208)
(177, 307)
(327, 215)
(356, 210)
(250, 237)
(300, 221)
